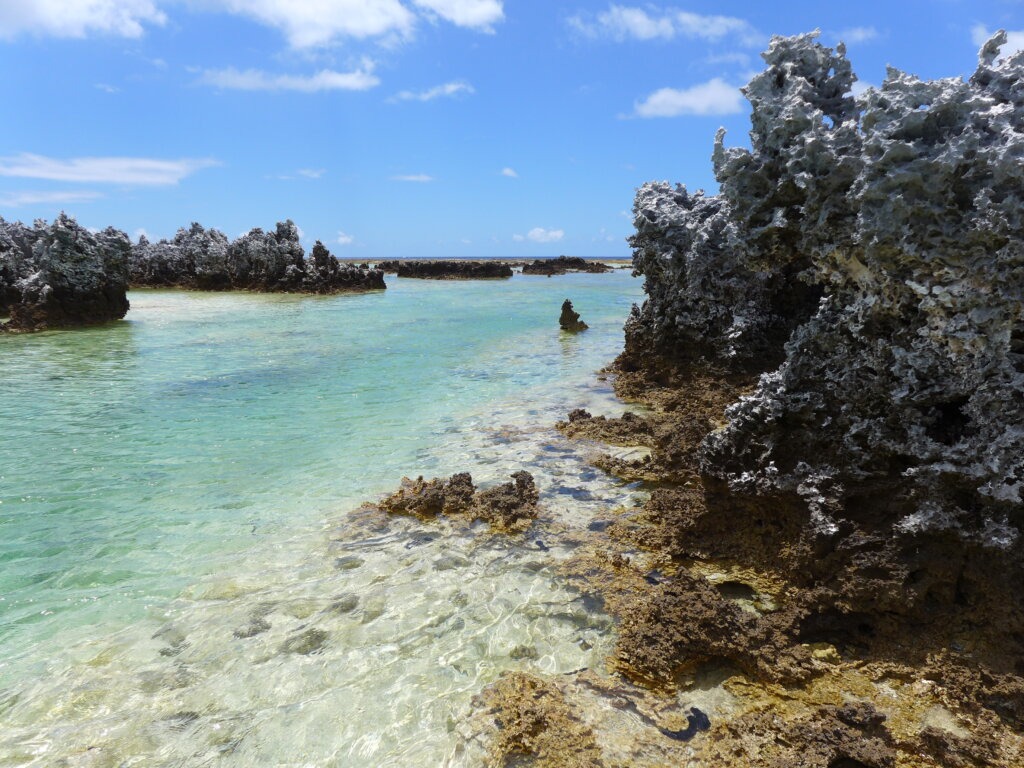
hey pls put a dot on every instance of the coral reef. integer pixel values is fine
(569, 319)
(61, 274)
(447, 269)
(258, 261)
(562, 265)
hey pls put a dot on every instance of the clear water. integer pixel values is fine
(172, 483)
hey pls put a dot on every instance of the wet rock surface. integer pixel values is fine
(562, 265)
(569, 319)
(61, 275)
(204, 259)
(447, 269)
(507, 508)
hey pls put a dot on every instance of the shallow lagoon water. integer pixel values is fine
(184, 579)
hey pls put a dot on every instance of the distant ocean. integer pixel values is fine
(183, 580)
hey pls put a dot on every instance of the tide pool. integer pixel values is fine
(171, 483)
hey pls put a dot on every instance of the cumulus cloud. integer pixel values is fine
(446, 90)
(344, 239)
(715, 97)
(481, 15)
(78, 18)
(16, 199)
(510, 173)
(858, 35)
(541, 235)
(304, 23)
(418, 178)
(980, 34)
(361, 79)
(622, 22)
(317, 23)
(141, 171)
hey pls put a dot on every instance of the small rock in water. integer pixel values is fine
(542, 546)
(348, 563)
(344, 603)
(255, 627)
(598, 525)
(450, 562)
(570, 320)
(420, 539)
(523, 652)
(305, 643)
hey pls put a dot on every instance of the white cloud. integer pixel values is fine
(858, 35)
(15, 199)
(325, 80)
(142, 171)
(474, 14)
(311, 173)
(78, 18)
(510, 173)
(313, 23)
(715, 97)
(418, 178)
(344, 239)
(621, 22)
(317, 23)
(980, 35)
(541, 235)
(106, 88)
(448, 89)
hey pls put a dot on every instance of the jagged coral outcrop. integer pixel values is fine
(257, 261)
(61, 274)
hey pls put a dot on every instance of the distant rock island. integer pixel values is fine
(61, 275)
(564, 264)
(274, 261)
(447, 269)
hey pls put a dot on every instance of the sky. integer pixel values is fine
(410, 128)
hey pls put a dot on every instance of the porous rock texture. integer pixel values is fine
(507, 508)
(447, 269)
(831, 354)
(61, 275)
(275, 261)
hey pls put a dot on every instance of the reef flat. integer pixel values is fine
(829, 361)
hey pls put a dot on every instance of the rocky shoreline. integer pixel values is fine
(447, 269)
(832, 389)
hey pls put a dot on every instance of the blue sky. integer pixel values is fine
(409, 127)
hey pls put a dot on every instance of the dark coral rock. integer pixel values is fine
(447, 269)
(507, 508)
(510, 506)
(569, 320)
(258, 261)
(562, 265)
(62, 275)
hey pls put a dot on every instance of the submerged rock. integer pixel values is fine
(447, 269)
(569, 320)
(258, 261)
(61, 274)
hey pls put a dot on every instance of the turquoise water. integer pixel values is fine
(169, 481)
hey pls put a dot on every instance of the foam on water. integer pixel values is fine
(185, 580)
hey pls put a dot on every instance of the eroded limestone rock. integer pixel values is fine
(61, 274)
(258, 261)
